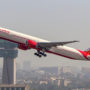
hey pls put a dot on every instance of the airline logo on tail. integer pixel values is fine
(88, 51)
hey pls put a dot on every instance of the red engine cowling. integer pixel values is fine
(29, 44)
(22, 46)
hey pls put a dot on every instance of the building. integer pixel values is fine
(14, 87)
(67, 69)
(52, 70)
(43, 82)
(67, 82)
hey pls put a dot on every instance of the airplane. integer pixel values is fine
(26, 42)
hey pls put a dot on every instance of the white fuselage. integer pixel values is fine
(22, 38)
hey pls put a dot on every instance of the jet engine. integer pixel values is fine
(22, 46)
(29, 44)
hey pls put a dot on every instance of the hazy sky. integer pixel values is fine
(54, 20)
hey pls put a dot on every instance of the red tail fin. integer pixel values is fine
(88, 51)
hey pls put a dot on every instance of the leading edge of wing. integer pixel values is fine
(54, 44)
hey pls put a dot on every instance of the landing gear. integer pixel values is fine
(43, 54)
(37, 55)
(40, 53)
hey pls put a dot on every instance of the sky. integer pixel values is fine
(53, 20)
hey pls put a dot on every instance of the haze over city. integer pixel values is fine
(53, 20)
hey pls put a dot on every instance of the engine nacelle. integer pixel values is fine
(31, 44)
(22, 46)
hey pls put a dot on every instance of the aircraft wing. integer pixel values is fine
(53, 44)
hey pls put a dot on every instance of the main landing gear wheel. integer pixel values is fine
(37, 55)
(40, 54)
(43, 54)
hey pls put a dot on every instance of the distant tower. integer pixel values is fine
(9, 52)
